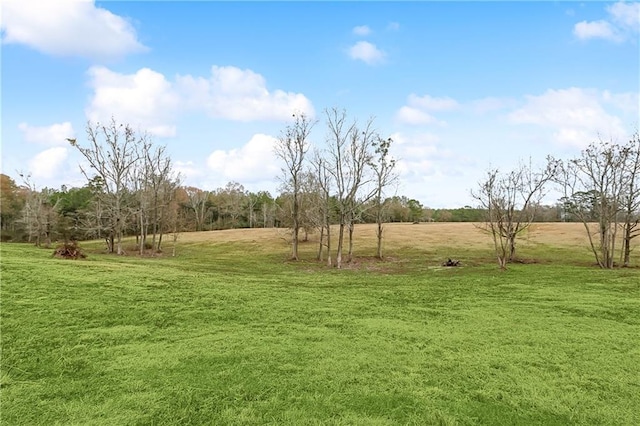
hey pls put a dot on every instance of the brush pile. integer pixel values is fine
(69, 250)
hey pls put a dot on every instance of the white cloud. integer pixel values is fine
(627, 102)
(414, 116)
(242, 95)
(596, 29)
(491, 104)
(424, 163)
(366, 52)
(418, 108)
(430, 103)
(362, 30)
(48, 163)
(68, 28)
(574, 115)
(187, 169)
(622, 23)
(626, 15)
(148, 101)
(144, 99)
(253, 162)
(56, 134)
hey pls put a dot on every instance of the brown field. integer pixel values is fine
(433, 243)
(463, 235)
(401, 233)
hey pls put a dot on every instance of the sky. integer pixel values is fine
(460, 87)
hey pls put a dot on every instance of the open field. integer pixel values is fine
(229, 332)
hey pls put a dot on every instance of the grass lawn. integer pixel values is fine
(230, 333)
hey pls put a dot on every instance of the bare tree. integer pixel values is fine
(161, 185)
(323, 180)
(349, 154)
(96, 222)
(598, 186)
(39, 214)
(631, 198)
(197, 202)
(112, 153)
(232, 203)
(291, 148)
(510, 201)
(383, 166)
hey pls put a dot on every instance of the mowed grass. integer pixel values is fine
(229, 332)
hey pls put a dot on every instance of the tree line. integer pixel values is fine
(348, 177)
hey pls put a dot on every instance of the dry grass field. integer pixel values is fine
(542, 241)
(398, 234)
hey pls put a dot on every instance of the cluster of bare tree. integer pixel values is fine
(337, 183)
(132, 182)
(509, 201)
(38, 213)
(601, 189)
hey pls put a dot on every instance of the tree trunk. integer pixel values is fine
(626, 243)
(340, 243)
(328, 226)
(502, 262)
(141, 234)
(512, 248)
(320, 246)
(350, 254)
(379, 235)
(296, 225)
(294, 242)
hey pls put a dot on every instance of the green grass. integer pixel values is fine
(231, 334)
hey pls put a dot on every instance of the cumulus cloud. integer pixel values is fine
(186, 169)
(490, 104)
(625, 15)
(596, 29)
(56, 134)
(253, 162)
(414, 116)
(242, 95)
(627, 102)
(430, 103)
(362, 30)
(48, 163)
(68, 28)
(144, 99)
(421, 156)
(621, 24)
(418, 108)
(574, 115)
(366, 52)
(147, 100)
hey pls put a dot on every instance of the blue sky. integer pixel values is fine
(459, 86)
